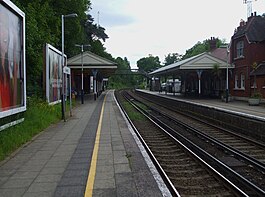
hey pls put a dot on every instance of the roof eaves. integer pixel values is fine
(175, 65)
(100, 58)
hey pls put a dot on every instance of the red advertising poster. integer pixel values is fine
(53, 74)
(12, 60)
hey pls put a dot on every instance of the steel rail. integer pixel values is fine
(164, 176)
(248, 158)
(171, 134)
(240, 178)
(236, 152)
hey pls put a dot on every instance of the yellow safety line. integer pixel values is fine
(93, 166)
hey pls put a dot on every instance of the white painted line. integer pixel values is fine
(207, 105)
(162, 186)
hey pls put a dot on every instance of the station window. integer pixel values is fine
(242, 81)
(240, 49)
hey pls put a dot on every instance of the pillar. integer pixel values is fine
(173, 88)
(95, 83)
(199, 73)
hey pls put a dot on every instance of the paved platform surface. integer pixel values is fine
(58, 161)
(234, 106)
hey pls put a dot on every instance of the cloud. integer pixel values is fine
(140, 27)
(113, 20)
(111, 13)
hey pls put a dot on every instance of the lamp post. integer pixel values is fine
(82, 75)
(227, 84)
(63, 82)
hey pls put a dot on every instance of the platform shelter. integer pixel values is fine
(95, 71)
(202, 75)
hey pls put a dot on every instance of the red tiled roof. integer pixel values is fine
(254, 29)
(220, 53)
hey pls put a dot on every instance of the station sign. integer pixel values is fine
(66, 70)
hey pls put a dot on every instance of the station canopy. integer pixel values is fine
(202, 61)
(92, 62)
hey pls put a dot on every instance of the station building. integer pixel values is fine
(96, 71)
(241, 67)
(248, 57)
(202, 75)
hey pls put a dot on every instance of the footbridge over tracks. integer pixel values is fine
(132, 72)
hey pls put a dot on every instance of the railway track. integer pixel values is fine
(246, 161)
(244, 158)
(187, 172)
(246, 145)
(248, 148)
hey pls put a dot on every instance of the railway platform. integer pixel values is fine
(93, 153)
(238, 107)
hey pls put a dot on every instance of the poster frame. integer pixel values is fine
(14, 9)
(47, 79)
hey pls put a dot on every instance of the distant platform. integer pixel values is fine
(237, 107)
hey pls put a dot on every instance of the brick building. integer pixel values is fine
(248, 49)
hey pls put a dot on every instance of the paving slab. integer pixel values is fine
(238, 106)
(37, 167)
(57, 161)
(118, 159)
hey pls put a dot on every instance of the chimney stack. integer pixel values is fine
(213, 43)
(242, 23)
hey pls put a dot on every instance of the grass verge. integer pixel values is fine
(133, 113)
(39, 115)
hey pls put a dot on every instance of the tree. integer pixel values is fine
(197, 49)
(171, 58)
(125, 78)
(98, 48)
(149, 63)
(71, 25)
(38, 32)
(201, 47)
(216, 70)
(43, 25)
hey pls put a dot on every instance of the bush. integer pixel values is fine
(257, 95)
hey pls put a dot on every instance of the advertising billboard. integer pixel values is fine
(12, 60)
(53, 74)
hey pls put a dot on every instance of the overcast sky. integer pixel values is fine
(137, 28)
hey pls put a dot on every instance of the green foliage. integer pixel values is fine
(98, 48)
(38, 116)
(117, 85)
(43, 25)
(132, 113)
(171, 58)
(254, 66)
(123, 63)
(201, 47)
(216, 70)
(197, 49)
(142, 85)
(123, 78)
(257, 95)
(149, 63)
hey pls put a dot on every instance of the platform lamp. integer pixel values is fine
(82, 70)
(63, 82)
